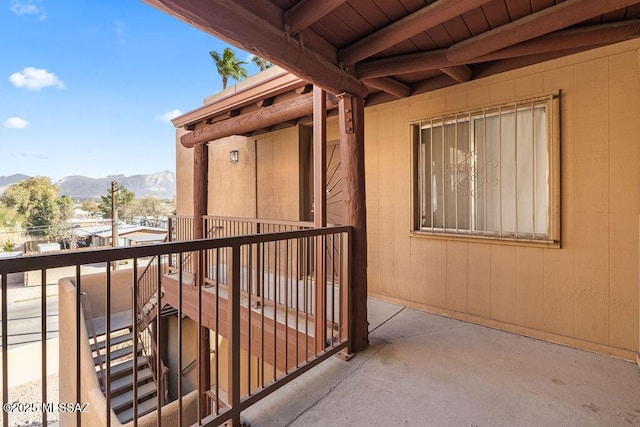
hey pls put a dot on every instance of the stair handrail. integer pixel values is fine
(142, 289)
(161, 380)
(88, 318)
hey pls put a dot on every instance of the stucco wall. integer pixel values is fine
(584, 294)
(268, 188)
(278, 172)
(232, 186)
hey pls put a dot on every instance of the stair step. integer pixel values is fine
(114, 341)
(116, 354)
(119, 320)
(143, 408)
(125, 383)
(125, 400)
(125, 366)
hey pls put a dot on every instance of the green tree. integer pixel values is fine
(123, 199)
(38, 201)
(90, 206)
(263, 64)
(229, 65)
(147, 206)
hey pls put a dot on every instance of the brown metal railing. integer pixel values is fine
(295, 317)
(149, 348)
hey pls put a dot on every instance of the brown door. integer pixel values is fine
(335, 206)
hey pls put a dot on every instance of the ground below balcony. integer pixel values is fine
(423, 369)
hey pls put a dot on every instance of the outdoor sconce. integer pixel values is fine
(233, 156)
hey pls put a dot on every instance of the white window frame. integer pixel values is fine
(420, 198)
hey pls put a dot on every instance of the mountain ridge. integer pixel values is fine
(160, 184)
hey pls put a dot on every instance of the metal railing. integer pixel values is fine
(272, 311)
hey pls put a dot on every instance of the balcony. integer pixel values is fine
(193, 331)
(252, 298)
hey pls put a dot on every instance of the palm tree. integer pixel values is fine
(229, 65)
(263, 64)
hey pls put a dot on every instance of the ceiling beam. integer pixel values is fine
(390, 86)
(422, 20)
(562, 15)
(495, 67)
(304, 13)
(582, 37)
(240, 26)
(460, 73)
(403, 64)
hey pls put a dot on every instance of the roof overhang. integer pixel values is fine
(387, 50)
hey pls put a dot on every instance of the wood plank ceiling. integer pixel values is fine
(388, 49)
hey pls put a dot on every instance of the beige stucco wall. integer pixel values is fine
(232, 186)
(278, 171)
(184, 176)
(584, 294)
(265, 183)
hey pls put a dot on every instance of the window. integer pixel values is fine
(490, 172)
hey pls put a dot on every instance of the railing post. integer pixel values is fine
(320, 285)
(5, 352)
(233, 322)
(345, 288)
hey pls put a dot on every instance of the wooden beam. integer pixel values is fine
(496, 67)
(389, 85)
(351, 119)
(304, 89)
(552, 18)
(593, 35)
(319, 158)
(239, 25)
(306, 12)
(266, 102)
(460, 73)
(422, 20)
(258, 119)
(200, 187)
(320, 208)
(200, 197)
(403, 64)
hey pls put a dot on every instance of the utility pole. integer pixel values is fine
(114, 222)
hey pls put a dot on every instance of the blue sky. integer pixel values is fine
(86, 86)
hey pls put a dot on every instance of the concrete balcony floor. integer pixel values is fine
(425, 370)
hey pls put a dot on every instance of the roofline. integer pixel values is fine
(272, 86)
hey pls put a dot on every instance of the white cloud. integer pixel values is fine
(169, 115)
(35, 79)
(28, 7)
(15, 123)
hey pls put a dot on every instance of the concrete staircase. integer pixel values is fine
(121, 370)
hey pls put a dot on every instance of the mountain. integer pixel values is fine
(6, 181)
(161, 185)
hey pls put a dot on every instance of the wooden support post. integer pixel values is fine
(319, 157)
(320, 209)
(200, 194)
(200, 187)
(351, 116)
